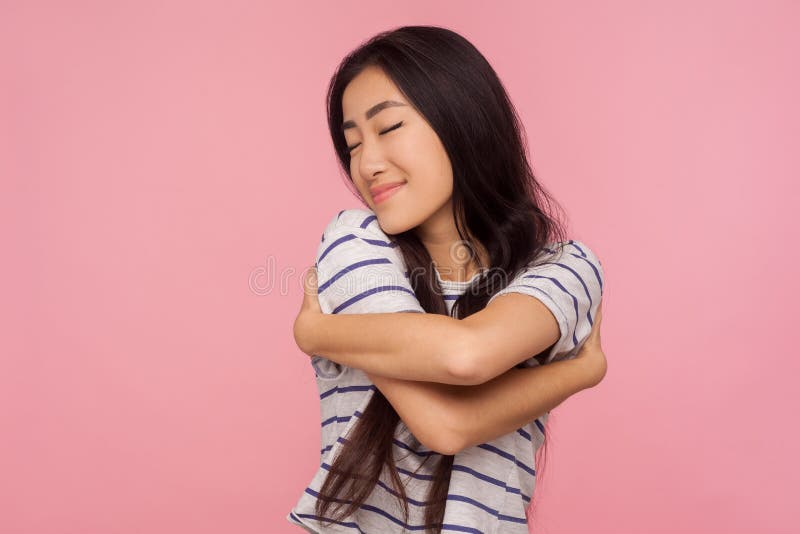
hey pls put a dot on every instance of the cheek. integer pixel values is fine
(363, 191)
(433, 173)
(424, 157)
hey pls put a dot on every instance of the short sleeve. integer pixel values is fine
(359, 270)
(568, 279)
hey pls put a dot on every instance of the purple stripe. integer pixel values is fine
(349, 268)
(412, 474)
(349, 524)
(345, 389)
(562, 288)
(411, 449)
(456, 467)
(461, 498)
(368, 220)
(473, 502)
(450, 497)
(336, 419)
(369, 292)
(329, 420)
(380, 242)
(390, 517)
(507, 456)
(424, 503)
(330, 247)
(591, 264)
(540, 425)
(487, 478)
(485, 446)
(458, 528)
(407, 447)
(586, 289)
(596, 272)
(520, 520)
(396, 494)
(574, 244)
(348, 237)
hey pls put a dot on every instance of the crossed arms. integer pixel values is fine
(452, 382)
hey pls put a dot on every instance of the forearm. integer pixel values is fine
(426, 408)
(517, 397)
(410, 346)
(447, 418)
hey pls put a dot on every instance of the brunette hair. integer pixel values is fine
(496, 200)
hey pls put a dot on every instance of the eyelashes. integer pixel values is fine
(396, 126)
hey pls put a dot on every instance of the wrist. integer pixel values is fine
(581, 376)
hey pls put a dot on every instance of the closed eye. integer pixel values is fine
(396, 126)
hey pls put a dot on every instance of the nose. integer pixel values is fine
(372, 161)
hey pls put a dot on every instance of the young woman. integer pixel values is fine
(431, 420)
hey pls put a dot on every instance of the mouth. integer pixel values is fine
(386, 193)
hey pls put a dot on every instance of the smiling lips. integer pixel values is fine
(382, 192)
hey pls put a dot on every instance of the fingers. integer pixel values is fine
(310, 281)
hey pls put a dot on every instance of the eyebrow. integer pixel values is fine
(371, 112)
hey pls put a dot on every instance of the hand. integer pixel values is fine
(310, 311)
(310, 298)
(591, 353)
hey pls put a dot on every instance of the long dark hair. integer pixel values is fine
(496, 200)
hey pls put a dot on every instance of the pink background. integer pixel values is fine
(166, 175)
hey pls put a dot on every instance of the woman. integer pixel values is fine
(451, 399)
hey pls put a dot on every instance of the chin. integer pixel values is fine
(394, 225)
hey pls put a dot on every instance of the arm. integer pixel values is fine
(471, 351)
(362, 287)
(432, 347)
(437, 413)
(434, 412)
(448, 419)
(411, 346)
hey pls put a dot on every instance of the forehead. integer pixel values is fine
(365, 90)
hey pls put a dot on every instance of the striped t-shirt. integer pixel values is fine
(361, 270)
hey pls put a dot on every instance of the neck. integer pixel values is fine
(454, 259)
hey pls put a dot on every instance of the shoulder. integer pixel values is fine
(580, 248)
(359, 220)
(354, 234)
(576, 254)
(568, 279)
(563, 268)
(557, 250)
